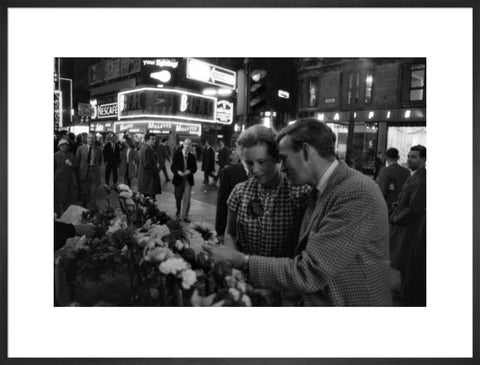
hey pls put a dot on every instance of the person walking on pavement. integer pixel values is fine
(208, 162)
(223, 158)
(129, 162)
(184, 166)
(65, 180)
(392, 177)
(341, 257)
(148, 176)
(88, 158)
(111, 158)
(162, 156)
(408, 214)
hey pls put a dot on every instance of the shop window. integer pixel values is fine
(404, 137)
(417, 82)
(341, 134)
(312, 93)
(365, 138)
(368, 87)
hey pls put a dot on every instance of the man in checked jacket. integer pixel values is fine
(342, 253)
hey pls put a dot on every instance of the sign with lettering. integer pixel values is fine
(57, 109)
(224, 112)
(167, 103)
(167, 63)
(158, 127)
(107, 110)
(211, 74)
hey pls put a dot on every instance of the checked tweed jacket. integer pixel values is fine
(342, 259)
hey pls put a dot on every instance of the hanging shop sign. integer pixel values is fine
(158, 127)
(211, 74)
(166, 103)
(224, 112)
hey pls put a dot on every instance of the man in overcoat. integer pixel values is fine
(407, 217)
(148, 177)
(208, 162)
(111, 158)
(341, 258)
(89, 157)
(392, 177)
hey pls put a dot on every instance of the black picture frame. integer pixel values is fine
(5, 201)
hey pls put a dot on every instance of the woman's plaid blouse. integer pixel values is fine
(268, 221)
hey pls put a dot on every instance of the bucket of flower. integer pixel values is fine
(142, 257)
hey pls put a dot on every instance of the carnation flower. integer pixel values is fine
(156, 254)
(179, 245)
(158, 231)
(173, 266)
(126, 194)
(188, 278)
(123, 187)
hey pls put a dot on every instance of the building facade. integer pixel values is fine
(371, 104)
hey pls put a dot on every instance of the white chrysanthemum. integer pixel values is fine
(173, 266)
(179, 245)
(156, 254)
(129, 202)
(126, 194)
(188, 278)
(117, 223)
(196, 240)
(158, 231)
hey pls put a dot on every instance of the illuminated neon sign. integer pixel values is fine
(211, 74)
(224, 112)
(166, 103)
(161, 63)
(158, 127)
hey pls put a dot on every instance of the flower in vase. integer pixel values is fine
(173, 266)
(188, 278)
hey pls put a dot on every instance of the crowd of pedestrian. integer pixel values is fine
(291, 215)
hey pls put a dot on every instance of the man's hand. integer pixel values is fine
(84, 229)
(187, 172)
(228, 240)
(225, 254)
(180, 173)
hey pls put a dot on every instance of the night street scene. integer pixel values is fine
(240, 182)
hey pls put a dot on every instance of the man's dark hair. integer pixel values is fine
(392, 153)
(422, 150)
(148, 135)
(313, 132)
(258, 134)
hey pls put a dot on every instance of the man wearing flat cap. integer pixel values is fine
(392, 177)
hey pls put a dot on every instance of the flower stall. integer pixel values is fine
(140, 256)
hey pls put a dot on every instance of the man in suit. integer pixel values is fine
(89, 157)
(129, 162)
(208, 162)
(148, 177)
(407, 216)
(184, 166)
(341, 258)
(111, 158)
(229, 177)
(392, 177)
(223, 158)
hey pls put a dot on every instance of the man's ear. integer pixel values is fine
(306, 151)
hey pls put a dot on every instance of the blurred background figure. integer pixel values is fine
(88, 158)
(65, 181)
(208, 162)
(148, 177)
(163, 155)
(111, 157)
(223, 157)
(129, 162)
(392, 177)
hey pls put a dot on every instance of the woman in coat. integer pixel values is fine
(65, 182)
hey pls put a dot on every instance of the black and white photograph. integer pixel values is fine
(240, 181)
(239, 184)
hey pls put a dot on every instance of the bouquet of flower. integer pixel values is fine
(142, 257)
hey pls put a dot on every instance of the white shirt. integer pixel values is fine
(325, 177)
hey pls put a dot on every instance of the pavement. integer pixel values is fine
(203, 204)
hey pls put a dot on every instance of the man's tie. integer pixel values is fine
(89, 155)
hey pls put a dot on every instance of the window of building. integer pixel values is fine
(350, 88)
(312, 93)
(417, 82)
(368, 87)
